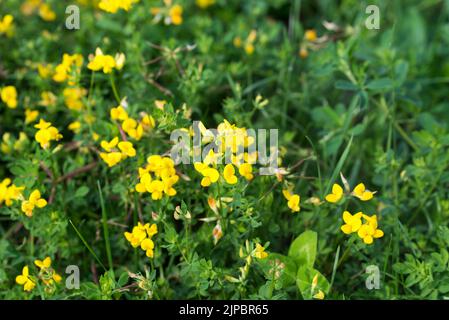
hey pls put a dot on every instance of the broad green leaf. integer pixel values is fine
(303, 249)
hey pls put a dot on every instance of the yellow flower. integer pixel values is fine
(246, 170)
(75, 126)
(108, 146)
(72, 98)
(369, 230)
(9, 96)
(141, 236)
(101, 61)
(46, 133)
(127, 149)
(229, 174)
(48, 99)
(30, 115)
(175, 14)
(361, 192)
(352, 222)
(69, 68)
(25, 280)
(9, 193)
(44, 70)
(112, 6)
(148, 245)
(46, 13)
(310, 35)
(6, 25)
(293, 200)
(260, 252)
(43, 264)
(33, 201)
(111, 158)
(336, 195)
(203, 4)
(210, 175)
(119, 113)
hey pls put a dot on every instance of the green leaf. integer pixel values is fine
(380, 84)
(303, 248)
(304, 281)
(81, 192)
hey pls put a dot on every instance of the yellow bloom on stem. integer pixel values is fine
(111, 158)
(75, 126)
(6, 25)
(25, 280)
(361, 192)
(46, 133)
(210, 175)
(259, 252)
(310, 35)
(246, 170)
(119, 113)
(336, 195)
(293, 200)
(9, 192)
(229, 174)
(9, 96)
(108, 146)
(175, 14)
(148, 245)
(127, 149)
(43, 264)
(44, 70)
(369, 230)
(141, 236)
(352, 222)
(102, 62)
(30, 115)
(46, 12)
(33, 201)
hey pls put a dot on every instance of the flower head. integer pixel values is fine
(33, 201)
(25, 280)
(293, 200)
(336, 195)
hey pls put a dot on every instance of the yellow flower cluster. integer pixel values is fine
(73, 98)
(141, 236)
(33, 201)
(46, 273)
(6, 25)
(248, 45)
(211, 174)
(293, 200)
(8, 95)
(366, 231)
(9, 144)
(105, 62)
(129, 125)
(112, 155)
(46, 133)
(170, 13)
(158, 177)
(68, 69)
(112, 6)
(9, 192)
(48, 99)
(359, 191)
(230, 140)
